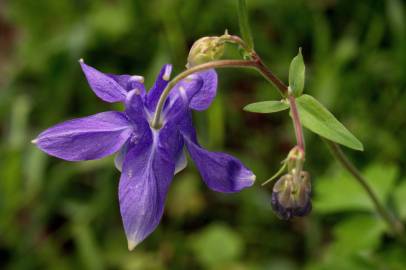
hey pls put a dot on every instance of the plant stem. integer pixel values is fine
(258, 64)
(394, 224)
(296, 123)
(284, 91)
(267, 73)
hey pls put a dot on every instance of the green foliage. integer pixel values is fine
(244, 24)
(297, 74)
(357, 235)
(217, 245)
(400, 199)
(340, 192)
(270, 106)
(355, 240)
(318, 119)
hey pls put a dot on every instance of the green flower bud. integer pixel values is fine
(204, 50)
(295, 159)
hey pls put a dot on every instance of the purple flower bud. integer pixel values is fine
(291, 195)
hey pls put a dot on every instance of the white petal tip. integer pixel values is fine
(253, 178)
(34, 141)
(167, 73)
(137, 78)
(81, 61)
(131, 245)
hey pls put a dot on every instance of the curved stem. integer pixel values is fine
(198, 68)
(267, 73)
(394, 224)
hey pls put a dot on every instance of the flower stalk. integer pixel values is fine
(256, 63)
(296, 123)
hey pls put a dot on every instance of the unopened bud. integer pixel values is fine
(291, 195)
(204, 50)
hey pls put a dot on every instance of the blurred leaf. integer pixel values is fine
(395, 10)
(400, 199)
(118, 18)
(354, 244)
(341, 192)
(297, 74)
(216, 122)
(357, 235)
(392, 258)
(244, 24)
(270, 106)
(87, 247)
(217, 244)
(34, 168)
(184, 197)
(19, 116)
(318, 119)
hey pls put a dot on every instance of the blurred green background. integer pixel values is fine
(60, 215)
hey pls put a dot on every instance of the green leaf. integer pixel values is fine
(352, 237)
(297, 74)
(338, 191)
(400, 199)
(270, 106)
(217, 244)
(318, 119)
(244, 24)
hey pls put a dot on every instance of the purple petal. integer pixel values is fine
(104, 86)
(86, 138)
(176, 108)
(196, 92)
(181, 162)
(160, 84)
(147, 172)
(220, 171)
(129, 82)
(120, 157)
(134, 108)
(206, 94)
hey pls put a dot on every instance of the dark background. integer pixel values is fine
(60, 215)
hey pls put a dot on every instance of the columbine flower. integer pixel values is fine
(148, 158)
(291, 195)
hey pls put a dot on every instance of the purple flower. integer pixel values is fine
(148, 158)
